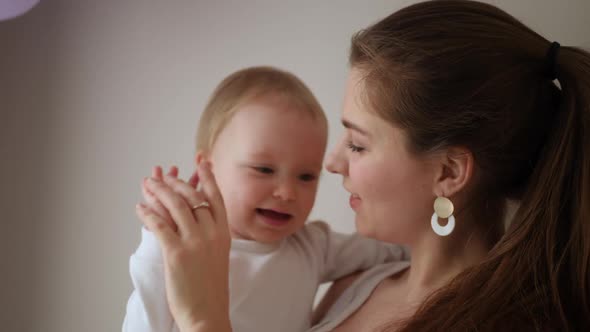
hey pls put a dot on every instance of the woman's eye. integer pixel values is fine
(355, 148)
(307, 177)
(264, 170)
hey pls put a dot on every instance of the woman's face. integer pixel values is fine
(391, 190)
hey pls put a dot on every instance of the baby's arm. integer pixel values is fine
(147, 307)
(344, 254)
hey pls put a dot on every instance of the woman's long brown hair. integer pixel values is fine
(467, 73)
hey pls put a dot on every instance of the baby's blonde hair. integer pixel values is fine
(248, 85)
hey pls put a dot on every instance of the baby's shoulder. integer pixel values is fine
(313, 229)
(312, 234)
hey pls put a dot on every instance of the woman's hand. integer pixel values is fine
(196, 253)
(151, 202)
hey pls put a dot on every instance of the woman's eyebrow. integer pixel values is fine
(349, 125)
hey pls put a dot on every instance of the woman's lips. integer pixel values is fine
(355, 201)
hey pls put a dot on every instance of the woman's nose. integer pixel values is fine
(335, 162)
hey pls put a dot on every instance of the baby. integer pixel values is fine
(265, 135)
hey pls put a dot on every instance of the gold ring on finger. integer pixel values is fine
(203, 204)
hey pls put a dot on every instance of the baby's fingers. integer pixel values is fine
(158, 173)
(161, 229)
(173, 171)
(156, 206)
(177, 206)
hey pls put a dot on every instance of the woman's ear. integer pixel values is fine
(455, 172)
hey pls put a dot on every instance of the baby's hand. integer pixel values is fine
(151, 201)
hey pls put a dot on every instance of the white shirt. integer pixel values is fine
(272, 287)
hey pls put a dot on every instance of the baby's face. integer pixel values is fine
(267, 162)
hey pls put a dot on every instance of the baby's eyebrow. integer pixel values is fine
(260, 155)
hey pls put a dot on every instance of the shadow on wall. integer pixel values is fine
(29, 90)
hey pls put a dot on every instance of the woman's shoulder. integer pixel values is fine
(346, 295)
(332, 294)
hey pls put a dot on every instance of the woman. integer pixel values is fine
(451, 103)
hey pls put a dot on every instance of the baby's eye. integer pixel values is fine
(264, 170)
(307, 177)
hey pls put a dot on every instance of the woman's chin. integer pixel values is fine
(362, 228)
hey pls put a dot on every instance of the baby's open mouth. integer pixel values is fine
(273, 214)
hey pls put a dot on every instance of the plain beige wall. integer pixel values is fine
(93, 93)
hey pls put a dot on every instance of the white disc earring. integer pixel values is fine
(443, 208)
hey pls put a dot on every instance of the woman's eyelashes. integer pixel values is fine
(355, 148)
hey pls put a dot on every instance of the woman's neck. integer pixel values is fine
(437, 260)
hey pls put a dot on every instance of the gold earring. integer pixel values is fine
(443, 208)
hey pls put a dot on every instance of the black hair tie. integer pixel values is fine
(551, 61)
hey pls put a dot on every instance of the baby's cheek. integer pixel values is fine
(306, 198)
(233, 189)
(234, 204)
